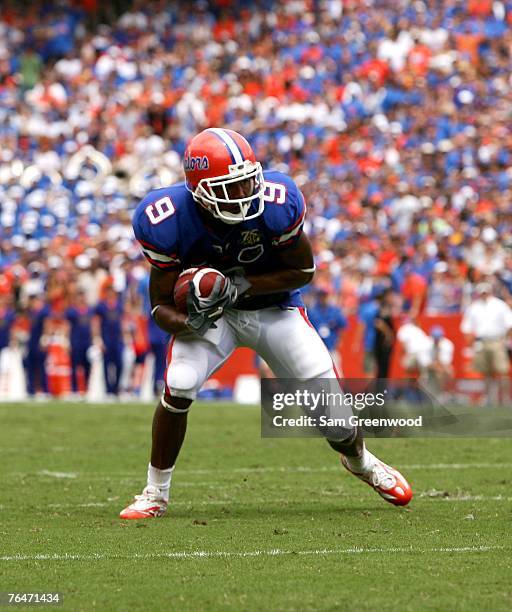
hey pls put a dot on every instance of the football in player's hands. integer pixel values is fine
(204, 281)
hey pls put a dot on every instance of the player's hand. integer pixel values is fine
(203, 312)
(199, 319)
(223, 294)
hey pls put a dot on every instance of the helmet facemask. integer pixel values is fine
(207, 193)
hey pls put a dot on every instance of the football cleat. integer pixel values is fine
(148, 505)
(388, 482)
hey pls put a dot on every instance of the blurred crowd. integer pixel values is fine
(392, 116)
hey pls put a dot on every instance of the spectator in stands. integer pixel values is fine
(367, 332)
(158, 339)
(400, 141)
(439, 366)
(7, 318)
(35, 360)
(108, 333)
(384, 333)
(329, 322)
(136, 326)
(415, 347)
(487, 323)
(80, 315)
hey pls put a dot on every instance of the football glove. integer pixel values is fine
(222, 294)
(203, 312)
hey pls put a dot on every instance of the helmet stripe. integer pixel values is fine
(233, 148)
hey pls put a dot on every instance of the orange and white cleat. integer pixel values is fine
(150, 504)
(387, 481)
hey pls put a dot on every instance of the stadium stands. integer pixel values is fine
(395, 123)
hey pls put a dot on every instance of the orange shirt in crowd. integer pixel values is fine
(467, 45)
(419, 59)
(480, 8)
(138, 326)
(415, 286)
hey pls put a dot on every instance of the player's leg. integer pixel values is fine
(191, 360)
(75, 360)
(42, 355)
(107, 370)
(293, 349)
(86, 362)
(483, 363)
(117, 360)
(30, 371)
(500, 368)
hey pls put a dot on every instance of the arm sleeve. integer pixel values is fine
(158, 241)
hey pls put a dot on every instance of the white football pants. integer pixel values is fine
(285, 339)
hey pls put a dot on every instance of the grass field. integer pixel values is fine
(254, 525)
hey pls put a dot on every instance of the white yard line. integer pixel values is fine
(267, 470)
(58, 474)
(203, 502)
(205, 554)
(462, 498)
(246, 502)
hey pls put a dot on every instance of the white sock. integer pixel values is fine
(160, 479)
(361, 464)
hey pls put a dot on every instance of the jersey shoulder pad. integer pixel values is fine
(285, 208)
(155, 225)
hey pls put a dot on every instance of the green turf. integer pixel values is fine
(288, 528)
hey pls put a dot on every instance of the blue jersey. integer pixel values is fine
(37, 317)
(110, 318)
(328, 321)
(7, 318)
(80, 320)
(173, 236)
(367, 313)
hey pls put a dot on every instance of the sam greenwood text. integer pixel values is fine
(352, 421)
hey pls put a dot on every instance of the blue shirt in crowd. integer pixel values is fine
(329, 322)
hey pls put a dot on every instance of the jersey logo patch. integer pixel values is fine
(196, 163)
(250, 254)
(251, 237)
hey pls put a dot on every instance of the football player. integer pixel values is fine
(232, 216)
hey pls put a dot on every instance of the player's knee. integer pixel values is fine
(182, 381)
